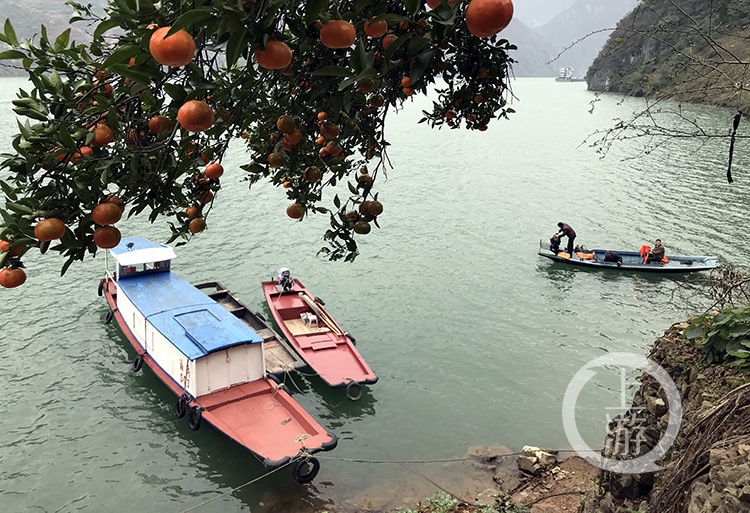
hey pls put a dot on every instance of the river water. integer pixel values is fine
(474, 337)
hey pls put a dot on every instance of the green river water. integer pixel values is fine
(473, 336)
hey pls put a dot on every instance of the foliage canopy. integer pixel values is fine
(84, 134)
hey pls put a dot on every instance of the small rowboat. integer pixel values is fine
(212, 360)
(632, 261)
(317, 338)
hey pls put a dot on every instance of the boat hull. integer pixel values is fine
(633, 261)
(258, 415)
(328, 350)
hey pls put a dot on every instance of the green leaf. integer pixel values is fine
(412, 5)
(18, 208)
(62, 40)
(11, 54)
(334, 71)
(235, 46)
(694, 333)
(65, 138)
(195, 17)
(31, 113)
(421, 63)
(10, 33)
(122, 54)
(313, 9)
(104, 27)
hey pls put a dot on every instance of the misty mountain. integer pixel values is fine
(538, 12)
(534, 52)
(584, 27)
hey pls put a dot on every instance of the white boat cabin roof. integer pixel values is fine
(139, 250)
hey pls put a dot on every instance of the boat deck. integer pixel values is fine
(279, 355)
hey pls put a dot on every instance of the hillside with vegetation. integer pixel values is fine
(687, 50)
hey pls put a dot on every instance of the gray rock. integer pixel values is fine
(529, 464)
(656, 406)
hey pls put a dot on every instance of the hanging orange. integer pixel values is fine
(337, 34)
(107, 237)
(276, 55)
(106, 213)
(376, 29)
(214, 171)
(195, 116)
(49, 229)
(12, 277)
(160, 125)
(485, 18)
(175, 50)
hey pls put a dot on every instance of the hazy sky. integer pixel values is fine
(537, 12)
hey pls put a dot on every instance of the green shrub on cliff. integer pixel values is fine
(724, 336)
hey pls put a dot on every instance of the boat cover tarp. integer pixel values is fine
(196, 324)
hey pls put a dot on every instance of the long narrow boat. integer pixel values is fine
(278, 354)
(631, 261)
(317, 338)
(208, 357)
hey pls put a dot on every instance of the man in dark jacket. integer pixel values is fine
(570, 233)
(657, 253)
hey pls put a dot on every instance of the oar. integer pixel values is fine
(315, 308)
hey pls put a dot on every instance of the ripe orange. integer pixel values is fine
(408, 91)
(195, 116)
(115, 200)
(485, 18)
(406, 82)
(5, 246)
(388, 40)
(337, 34)
(160, 125)
(207, 197)
(276, 159)
(375, 208)
(197, 225)
(293, 138)
(313, 174)
(107, 237)
(322, 116)
(329, 130)
(191, 211)
(276, 55)
(362, 227)
(295, 211)
(49, 229)
(106, 213)
(214, 171)
(102, 135)
(175, 50)
(12, 277)
(86, 151)
(286, 123)
(376, 29)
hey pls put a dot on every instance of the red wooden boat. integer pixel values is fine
(318, 339)
(208, 357)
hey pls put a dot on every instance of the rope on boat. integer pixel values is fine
(438, 460)
(237, 488)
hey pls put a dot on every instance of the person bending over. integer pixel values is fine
(570, 233)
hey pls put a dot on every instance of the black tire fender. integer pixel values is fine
(354, 340)
(137, 362)
(319, 301)
(181, 406)
(100, 290)
(299, 467)
(354, 391)
(195, 414)
(109, 317)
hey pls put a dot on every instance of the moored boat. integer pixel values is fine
(208, 357)
(317, 338)
(278, 354)
(631, 261)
